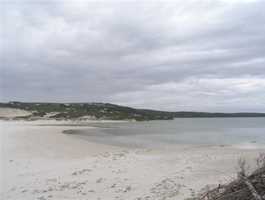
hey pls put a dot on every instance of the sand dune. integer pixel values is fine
(12, 112)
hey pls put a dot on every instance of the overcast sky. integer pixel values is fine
(203, 55)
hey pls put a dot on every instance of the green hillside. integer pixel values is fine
(109, 111)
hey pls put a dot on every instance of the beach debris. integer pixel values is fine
(245, 187)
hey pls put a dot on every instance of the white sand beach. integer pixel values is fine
(40, 162)
(132, 100)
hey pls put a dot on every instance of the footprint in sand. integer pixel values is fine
(81, 172)
(100, 180)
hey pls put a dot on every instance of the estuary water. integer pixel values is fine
(249, 132)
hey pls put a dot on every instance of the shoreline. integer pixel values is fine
(39, 162)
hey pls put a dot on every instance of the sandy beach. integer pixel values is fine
(39, 162)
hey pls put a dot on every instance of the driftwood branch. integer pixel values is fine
(245, 187)
(251, 188)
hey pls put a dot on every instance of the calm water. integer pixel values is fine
(206, 131)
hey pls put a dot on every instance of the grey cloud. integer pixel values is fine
(129, 53)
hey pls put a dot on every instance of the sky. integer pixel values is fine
(193, 55)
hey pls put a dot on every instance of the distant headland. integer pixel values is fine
(106, 111)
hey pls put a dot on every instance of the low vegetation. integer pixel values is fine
(109, 112)
(88, 110)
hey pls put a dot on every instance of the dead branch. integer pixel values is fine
(251, 188)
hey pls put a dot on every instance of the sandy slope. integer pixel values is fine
(12, 112)
(39, 162)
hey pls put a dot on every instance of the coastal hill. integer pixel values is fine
(106, 111)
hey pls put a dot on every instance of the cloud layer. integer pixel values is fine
(187, 55)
